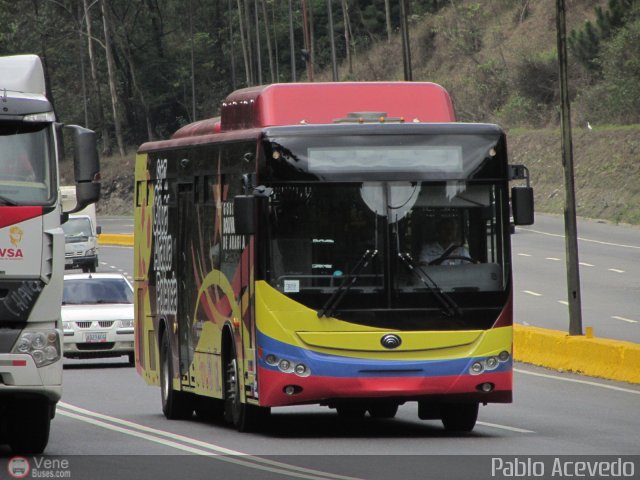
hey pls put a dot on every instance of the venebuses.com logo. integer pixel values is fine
(18, 467)
(38, 467)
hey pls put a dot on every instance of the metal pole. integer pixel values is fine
(570, 224)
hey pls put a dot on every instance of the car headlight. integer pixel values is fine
(91, 251)
(42, 345)
(126, 323)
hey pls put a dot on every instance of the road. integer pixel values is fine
(110, 423)
(609, 257)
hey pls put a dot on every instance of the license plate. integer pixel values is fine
(95, 337)
(68, 261)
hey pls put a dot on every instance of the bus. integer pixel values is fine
(282, 256)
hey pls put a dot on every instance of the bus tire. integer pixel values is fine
(246, 418)
(29, 427)
(175, 405)
(459, 417)
(383, 410)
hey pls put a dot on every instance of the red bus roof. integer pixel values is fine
(322, 103)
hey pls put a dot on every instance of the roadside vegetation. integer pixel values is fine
(163, 65)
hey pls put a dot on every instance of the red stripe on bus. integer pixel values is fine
(10, 215)
(315, 389)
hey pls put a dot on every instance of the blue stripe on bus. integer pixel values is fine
(322, 364)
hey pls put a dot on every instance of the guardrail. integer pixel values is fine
(595, 357)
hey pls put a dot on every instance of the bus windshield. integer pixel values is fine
(396, 247)
(26, 168)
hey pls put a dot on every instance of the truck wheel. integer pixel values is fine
(29, 427)
(459, 417)
(246, 418)
(175, 405)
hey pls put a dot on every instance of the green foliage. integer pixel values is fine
(522, 111)
(586, 43)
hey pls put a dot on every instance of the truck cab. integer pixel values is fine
(80, 234)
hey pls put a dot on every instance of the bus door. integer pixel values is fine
(187, 291)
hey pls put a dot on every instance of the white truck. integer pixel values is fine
(32, 249)
(80, 233)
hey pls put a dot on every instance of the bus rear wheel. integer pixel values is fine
(246, 418)
(175, 405)
(459, 417)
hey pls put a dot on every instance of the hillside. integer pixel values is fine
(497, 59)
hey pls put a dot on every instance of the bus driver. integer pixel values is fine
(448, 248)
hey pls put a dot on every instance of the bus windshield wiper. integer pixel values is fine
(449, 306)
(347, 282)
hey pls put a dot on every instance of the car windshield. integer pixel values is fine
(92, 291)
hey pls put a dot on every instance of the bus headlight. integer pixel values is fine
(504, 356)
(476, 368)
(42, 345)
(491, 363)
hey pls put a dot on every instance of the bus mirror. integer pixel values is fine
(244, 214)
(522, 205)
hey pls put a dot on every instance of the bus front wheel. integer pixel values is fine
(459, 417)
(244, 417)
(175, 405)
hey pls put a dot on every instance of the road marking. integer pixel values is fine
(554, 259)
(205, 449)
(529, 292)
(611, 244)
(628, 320)
(576, 380)
(505, 427)
(615, 270)
(524, 255)
(563, 302)
(584, 264)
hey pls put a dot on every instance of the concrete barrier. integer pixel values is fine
(595, 357)
(116, 239)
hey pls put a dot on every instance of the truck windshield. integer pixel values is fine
(77, 228)
(429, 239)
(26, 163)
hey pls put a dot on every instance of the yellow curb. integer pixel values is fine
(595, 357)
(115, 239)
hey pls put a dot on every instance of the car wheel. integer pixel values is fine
(29, 427)
(92, 268)
(132, 359)
(244, 417)
(459, 417)
(175, 405)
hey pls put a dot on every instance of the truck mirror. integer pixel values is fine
(86, 166)
(522, 205)
(244, 214)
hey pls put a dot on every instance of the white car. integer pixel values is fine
(97, 316)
